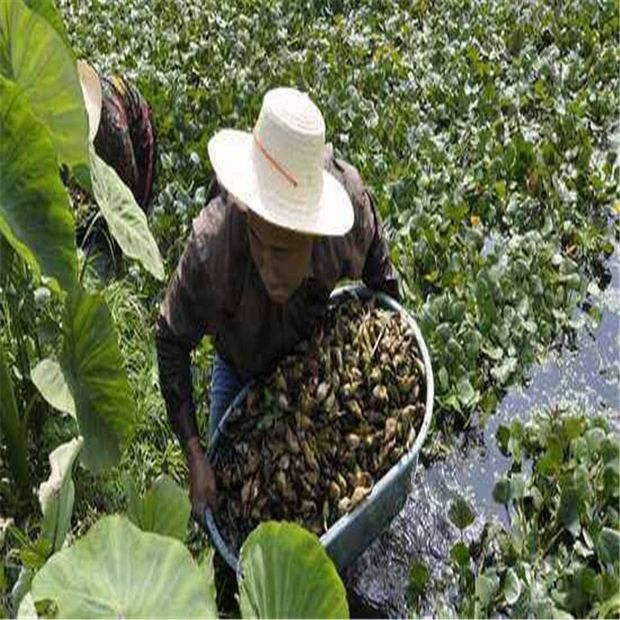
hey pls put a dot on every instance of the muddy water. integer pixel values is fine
(587, 374)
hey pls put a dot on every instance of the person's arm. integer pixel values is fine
(187, 314)
(379, 273)
(173, 357)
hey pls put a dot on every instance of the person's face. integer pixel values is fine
(282, 256)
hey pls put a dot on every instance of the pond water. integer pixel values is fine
(587, 373)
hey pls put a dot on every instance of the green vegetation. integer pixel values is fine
(484, 129)
(487, 131)
(559, 553)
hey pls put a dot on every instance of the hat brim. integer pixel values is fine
(91, 90)
(232, 155)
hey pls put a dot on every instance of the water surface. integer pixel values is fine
(586, 374)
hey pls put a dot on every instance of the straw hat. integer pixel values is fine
(277, 169)
(91, 89)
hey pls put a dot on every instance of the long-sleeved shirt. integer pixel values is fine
(217, 290)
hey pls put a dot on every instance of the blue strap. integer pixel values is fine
(218, 541)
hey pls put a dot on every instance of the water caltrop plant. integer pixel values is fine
(487, 132)
(558, 555)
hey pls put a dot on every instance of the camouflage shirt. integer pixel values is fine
(216, 290)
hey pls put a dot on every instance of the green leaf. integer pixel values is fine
(501, 491)
(288, 574)
(33, 55)
(502, 372)
(500, 188)
(595, 437)
(572, 427)
(517, 486)
(611, 479)
(35, 215)
(581, 585)
(56, 494)
(49, 380)
(608, 546)
(502, 437)
(35, 554)
(125, 218)
(580, 449)
(569, 510)
(487, 586)
(551, 462)
(460, 553)
(461, 513)
(418, 580)
(164, 509)
(22, 586)
(11, 429)
(443, 378)
(611, 607)
(93, 366)
(48, 10)
(467, 394)
(512, 587)
(208, 571)
(118, 571)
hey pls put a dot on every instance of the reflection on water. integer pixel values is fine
(589, 376)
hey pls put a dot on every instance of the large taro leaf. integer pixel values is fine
(118, 571)
(164, 509)
(33, 55)
(49, 380)
(57, 493)
(35, 215)
(93, 367)
(48, 10)
(126, 220)
(288, 574)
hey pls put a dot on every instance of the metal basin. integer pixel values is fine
(348, 537)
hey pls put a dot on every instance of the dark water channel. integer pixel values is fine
(588, 374)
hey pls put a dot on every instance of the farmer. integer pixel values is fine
(120, 125)
(288, 221)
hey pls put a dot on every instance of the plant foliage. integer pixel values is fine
(164, 508)
(34, 56)
(560, 553)
(94, 370)
(286, 573)
(57, 493)
(119, 571)
(125, 218)
(35, 215)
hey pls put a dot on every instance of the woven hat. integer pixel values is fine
(277, 169)
(91, 89)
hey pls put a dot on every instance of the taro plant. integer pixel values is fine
(56, 497)
(57, 340)
(109, 572)
(43, 126)
(284, 570)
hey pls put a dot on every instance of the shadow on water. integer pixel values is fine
(587, 375)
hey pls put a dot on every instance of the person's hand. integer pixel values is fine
(201, 479)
